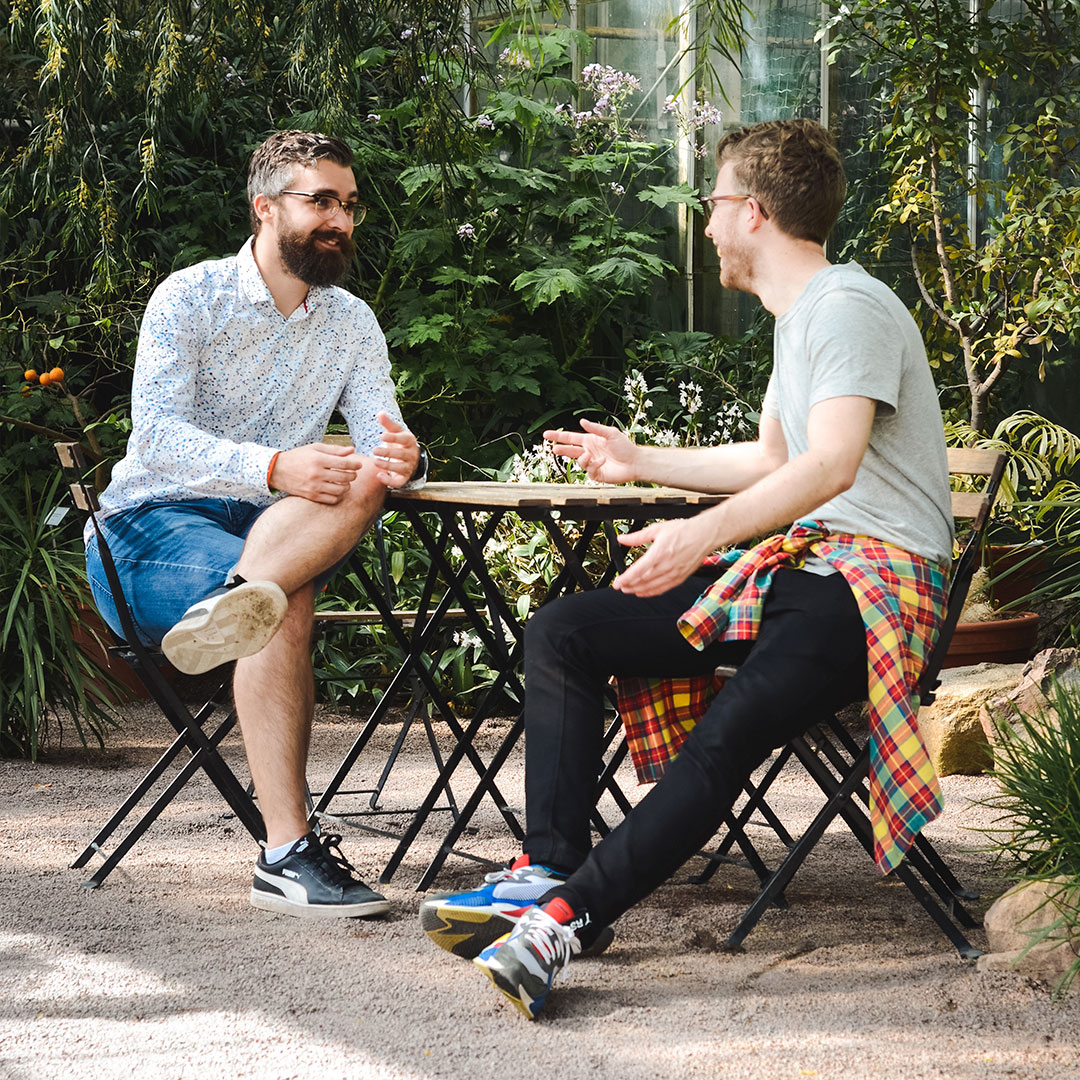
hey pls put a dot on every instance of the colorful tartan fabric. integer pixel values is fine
(902, 599)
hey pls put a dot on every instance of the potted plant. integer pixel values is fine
(1037, 500)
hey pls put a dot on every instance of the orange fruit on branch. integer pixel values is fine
(45, 379)
(56, 375)
(30, 375)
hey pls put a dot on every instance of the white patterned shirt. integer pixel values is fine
(223, 381)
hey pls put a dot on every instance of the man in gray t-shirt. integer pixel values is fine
(850, 436)
(849, 334)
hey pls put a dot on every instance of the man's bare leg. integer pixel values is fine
(290, 544)
(274, 693)
(295, 540)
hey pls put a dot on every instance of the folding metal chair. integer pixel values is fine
(198, 731)
(839, 766)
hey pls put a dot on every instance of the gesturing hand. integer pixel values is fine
(678, 549)
(321, 472)
(396, 457)
(605, 453)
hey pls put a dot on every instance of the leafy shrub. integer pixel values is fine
(1037, 764)
(43, 675)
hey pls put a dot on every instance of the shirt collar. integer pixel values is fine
(251, 280)
(256, 290)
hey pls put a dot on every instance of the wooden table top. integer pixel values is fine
(495, 493)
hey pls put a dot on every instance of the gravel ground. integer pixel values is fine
(167, 972)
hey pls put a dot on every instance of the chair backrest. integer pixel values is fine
(981, 472)
(84, 496)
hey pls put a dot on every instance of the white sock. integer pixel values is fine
(276, 854)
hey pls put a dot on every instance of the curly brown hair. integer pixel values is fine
(273, 163)
(793, 169)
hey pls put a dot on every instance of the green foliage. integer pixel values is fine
(506, 253)
(1037, 764)
(946, 78)
(43, 675)
(124, 158)
(705, 388)
(1038, 494)
(520, 268)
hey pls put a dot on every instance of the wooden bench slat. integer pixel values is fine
(367, 616)
(971, 461)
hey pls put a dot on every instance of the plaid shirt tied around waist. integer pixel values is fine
(902, 599)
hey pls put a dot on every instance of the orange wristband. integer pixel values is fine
(270, 468)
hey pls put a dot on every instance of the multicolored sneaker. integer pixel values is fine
(526, 962)
(467, 923)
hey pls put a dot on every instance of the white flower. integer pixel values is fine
(466, 231)
(690, 397)
(373, 117)
(484, 122)
(634, 386)
(408, 33)
(617, 188)
(514, 57)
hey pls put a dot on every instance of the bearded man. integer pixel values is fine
(228, 513)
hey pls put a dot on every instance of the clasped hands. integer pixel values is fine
(677, 548)
(322, 472)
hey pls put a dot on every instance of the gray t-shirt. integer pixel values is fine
(849, 334)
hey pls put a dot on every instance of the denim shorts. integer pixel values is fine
(170, 555)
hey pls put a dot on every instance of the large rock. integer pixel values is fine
(1017, 918)
(951, 727)
(1034, 694)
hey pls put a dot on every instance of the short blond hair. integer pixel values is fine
(793, 169)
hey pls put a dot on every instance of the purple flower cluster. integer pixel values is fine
(702, 114)
(608, 84)
(466, 231)
(484, 123)
(611, 89)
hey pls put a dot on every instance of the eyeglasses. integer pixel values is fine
(709, 201)
(326, 206)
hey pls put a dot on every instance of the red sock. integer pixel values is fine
(559, 910)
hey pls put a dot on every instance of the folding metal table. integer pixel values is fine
(463, 518)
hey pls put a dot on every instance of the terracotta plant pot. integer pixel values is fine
(1023, 565)
(83, 633)
(1008, 640)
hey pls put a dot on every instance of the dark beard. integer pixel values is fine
(312, 266)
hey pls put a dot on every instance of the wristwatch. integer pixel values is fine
(419, 475)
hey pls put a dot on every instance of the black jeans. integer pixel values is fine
(810, 658)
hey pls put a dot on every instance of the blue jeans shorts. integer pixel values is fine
(170, 555)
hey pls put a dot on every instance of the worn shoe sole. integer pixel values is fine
(512, 989)
(467, 932)
(225, 627)
(463, 931)
(283, 906)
